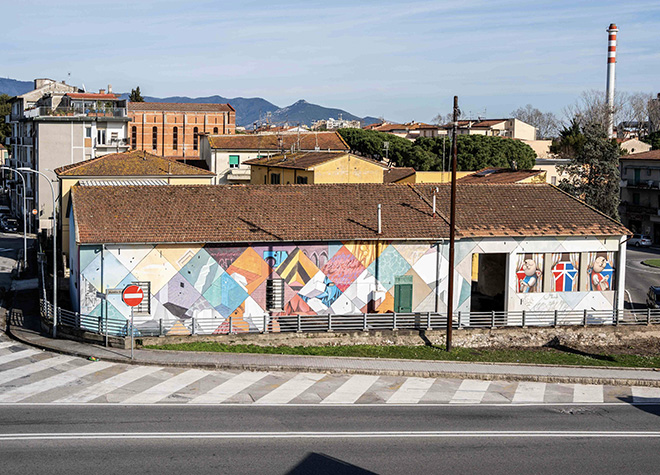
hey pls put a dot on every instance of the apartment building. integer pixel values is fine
(173, 129)
(512, 128)
(640, 193)
(57, 124)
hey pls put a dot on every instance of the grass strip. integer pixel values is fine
(652, 262)
(554, 356)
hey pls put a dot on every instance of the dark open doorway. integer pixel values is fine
(488, 282)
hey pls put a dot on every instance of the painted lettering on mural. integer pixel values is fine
(530, 273)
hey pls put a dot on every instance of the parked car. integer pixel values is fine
(9, 225)
(640, 240)
(653, 297)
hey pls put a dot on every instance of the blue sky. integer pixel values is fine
(403, 60)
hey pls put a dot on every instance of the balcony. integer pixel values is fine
(108, 112)
(640, 184)
(629, 208)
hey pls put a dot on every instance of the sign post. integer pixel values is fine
(132, 296)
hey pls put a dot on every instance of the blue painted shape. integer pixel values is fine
(201, 271)
(87, 255)
(275, 258)
(465, 291)
(333, 248)
(329, 294)
(389, 265)
(225, 294)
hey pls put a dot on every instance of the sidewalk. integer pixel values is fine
(295, 363)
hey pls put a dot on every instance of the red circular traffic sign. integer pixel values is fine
(132, 295)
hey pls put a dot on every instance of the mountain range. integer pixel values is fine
(248, 109)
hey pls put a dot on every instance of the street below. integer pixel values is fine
(338, 439)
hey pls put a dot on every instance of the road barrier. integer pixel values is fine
(366, 322)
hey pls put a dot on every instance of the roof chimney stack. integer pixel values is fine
(611, 63)
(101, 91)
(109, 88)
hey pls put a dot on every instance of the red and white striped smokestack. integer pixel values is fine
(611, 64)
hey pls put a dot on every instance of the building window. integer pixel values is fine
(215, 130)
(134, 137)
(274, 178)
(195, 137)
(88, 132)
(635, 198)
(275, 294)
(553, 180)
(301, 180)
(100, 136)
(234, 161)
(175, 138)
(154, 138)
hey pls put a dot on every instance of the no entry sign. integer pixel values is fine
(132, 295)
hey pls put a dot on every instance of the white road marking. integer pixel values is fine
(470, 391)
(529, 392)
(6, 344)
(292, 388)
(351, 390)
(167, 388)
(588, 393)
(15, 373)
(23, 392)
(18, 355)
(229, 388)
(329, 435)
(644, 394)
(110, 384)
(411, 391)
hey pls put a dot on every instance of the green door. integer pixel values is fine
(637, 176)
(403, 294)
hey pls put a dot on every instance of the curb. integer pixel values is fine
(495, 376)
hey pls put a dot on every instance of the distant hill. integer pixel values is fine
(248, 109)
(12, 87)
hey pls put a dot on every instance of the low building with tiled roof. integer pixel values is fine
(174, 129)
(213, 256)
(512, 128)
(498, 176)
(314, 167)
(123, 167)
(226, 154)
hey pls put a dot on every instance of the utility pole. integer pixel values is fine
(452, 227)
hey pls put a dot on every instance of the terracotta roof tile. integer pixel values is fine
(277, 213)
(178, 107)
(133, 163)
(91, 95)
(392, 175)
(269, 142)
(499, 176)
(650, 155)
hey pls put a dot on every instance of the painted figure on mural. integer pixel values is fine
(600, 273)
(530, 273)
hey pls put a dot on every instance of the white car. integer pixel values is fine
(640, 240)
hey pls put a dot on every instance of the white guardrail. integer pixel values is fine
(341, 323)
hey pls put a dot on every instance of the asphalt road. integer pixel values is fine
(339, 440)
(638, 276)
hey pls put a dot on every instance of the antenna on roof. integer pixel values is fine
(316, 135)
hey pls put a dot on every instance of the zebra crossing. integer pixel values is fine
(38, 377)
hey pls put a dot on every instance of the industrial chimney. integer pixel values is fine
(611, 64)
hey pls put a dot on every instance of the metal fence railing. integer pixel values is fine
(119, 326)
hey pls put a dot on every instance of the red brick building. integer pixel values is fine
(173, 129)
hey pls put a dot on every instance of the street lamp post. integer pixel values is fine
(24, 216)
(52, 190)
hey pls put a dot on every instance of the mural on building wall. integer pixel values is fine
(601, 271)
(565, 271)
(530, 273)
(209, 284)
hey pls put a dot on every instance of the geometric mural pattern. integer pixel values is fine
(206, 286)
(201, 288)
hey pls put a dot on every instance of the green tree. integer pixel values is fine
(135, 95)
(5, 109)
(570, 142)
(653, 140)
(593, 173)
